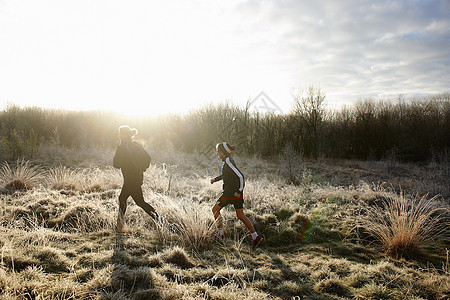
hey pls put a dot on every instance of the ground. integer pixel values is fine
(58, 239)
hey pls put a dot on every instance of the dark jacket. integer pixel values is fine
(233, 179)
(123, 159)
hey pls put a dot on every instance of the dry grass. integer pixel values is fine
(405, 226)
(92, 179)
(23, 177)
(61, 178)
(57, 239)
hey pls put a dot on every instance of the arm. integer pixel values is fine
(118, 158)
(218, 178)
(240, 177)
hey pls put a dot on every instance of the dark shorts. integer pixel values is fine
(238, 203)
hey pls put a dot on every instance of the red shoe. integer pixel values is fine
(256, 242)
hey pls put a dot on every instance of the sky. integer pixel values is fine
(156, 57)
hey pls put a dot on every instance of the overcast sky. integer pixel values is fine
(174, 55)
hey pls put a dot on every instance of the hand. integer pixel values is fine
(237, 195)
(212, 181)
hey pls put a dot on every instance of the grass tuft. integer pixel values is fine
(404, 227)
(186, 222)
(51, 260)
(375, 291)
(61, 178)
(82, 218)
(23, 177)
(334, 287)
(178, 257)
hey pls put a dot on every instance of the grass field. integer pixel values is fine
(334, 230)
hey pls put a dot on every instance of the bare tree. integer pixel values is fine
(309, 107)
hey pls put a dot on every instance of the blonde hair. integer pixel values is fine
(125, 130)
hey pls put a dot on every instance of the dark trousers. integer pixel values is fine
(135, 191)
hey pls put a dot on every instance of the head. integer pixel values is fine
(127, 133)
(224, 149)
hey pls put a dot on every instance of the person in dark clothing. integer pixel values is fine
(232, 192)
(126, 159)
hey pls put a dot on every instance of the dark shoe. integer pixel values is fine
(256, 242)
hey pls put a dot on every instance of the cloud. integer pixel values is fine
(357, 48)
(185, 52)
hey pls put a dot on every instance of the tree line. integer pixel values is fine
(416, 129)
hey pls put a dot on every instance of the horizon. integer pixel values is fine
(257, 106)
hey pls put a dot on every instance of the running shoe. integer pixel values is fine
(256, 242)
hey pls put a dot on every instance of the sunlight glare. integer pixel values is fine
(137, 59)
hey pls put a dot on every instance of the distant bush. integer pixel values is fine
(409, 130)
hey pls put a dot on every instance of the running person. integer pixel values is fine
(232, 193)
(133, 175)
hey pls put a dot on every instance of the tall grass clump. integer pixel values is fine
(23, 177)
(91, 179)
(404, 227)
(185, 222)
(61, 178)
(83, 217)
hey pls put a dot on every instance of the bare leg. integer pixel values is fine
(241, 216)
(216, 212)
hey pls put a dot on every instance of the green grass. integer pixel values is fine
(58, 241)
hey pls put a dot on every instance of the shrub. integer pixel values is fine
(188, 223)
(404, 227)
(61, 178)
(23, 177)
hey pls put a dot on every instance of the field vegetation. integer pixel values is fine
(407, 130)
(366, 218)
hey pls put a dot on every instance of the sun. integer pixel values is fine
(140, 59)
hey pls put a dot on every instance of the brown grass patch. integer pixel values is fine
(404, 227)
